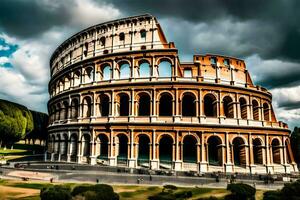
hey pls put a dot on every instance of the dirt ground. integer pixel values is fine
(7, 192)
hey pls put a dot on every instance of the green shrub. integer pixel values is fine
(162, 196)
(99, 192)
(209, 198)
(57, 192)
(183, 194)
(240, 191)
(272, 195)
(170, 187)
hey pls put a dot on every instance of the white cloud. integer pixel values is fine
(4, 48)
(3, 60)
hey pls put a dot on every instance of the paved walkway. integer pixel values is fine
(78, 176)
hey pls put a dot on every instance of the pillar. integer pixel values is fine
(203, 165)
(154, 162)
(132, 161)
(178, 159)
(229, 163)
(112, 157)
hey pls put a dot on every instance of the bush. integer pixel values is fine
(163, 196)
(183, 194)
(240, 191)
(170, 187)
(272, 195)
(99, 192)
(209, 198)
(57, 192)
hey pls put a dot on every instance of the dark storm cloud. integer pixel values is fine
(27, 18)
(289, 105)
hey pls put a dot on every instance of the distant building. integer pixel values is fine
(120, 96)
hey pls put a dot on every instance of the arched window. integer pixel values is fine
(103, 147)
(210, 105)
(239, 151)
(276, 151)
(228, 107)
(214, 150)
(189, 149)
(165, 105)
(86, 145)
(266, 112)
(102, 41)
(106, 72)
(144, 105)
(165, 69)
(243, 108)
(67, 83)
(104, 105)
(255, 110)
(143, 149)
(73, 147)
(124, 105)
(166, 149)
(257, 151)
(143, 34)
(65, 111)
(124, 71)
(74, 108)
(144, 70)
(76, 78)
(87, 107)
(88, 75)
(122, 148)
(122, 36)
(188, 105)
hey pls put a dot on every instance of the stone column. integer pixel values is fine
(112, 155)
(178, 160)
(93, 157)
(132, 162)
(228, 164)
(269, 168)
(203, 165)
(154, 162)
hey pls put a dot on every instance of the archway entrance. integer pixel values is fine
(188, 105)
(143, 149)
(144, 105)
(102, 147)
(166, 150)
(165, 105)
(276, 151)
(190, 149)
(210, 105)
(257, 151)
(239, 152)
(214, 151)
(122, 148)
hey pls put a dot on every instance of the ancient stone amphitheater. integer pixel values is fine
(120, 96)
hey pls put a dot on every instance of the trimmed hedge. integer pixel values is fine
(240, 191)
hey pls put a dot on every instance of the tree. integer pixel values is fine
(240, 191)
(295, 143)
(57, 192)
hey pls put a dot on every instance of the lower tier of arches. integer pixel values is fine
(174, 149)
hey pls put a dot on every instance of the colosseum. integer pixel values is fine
(120, 96)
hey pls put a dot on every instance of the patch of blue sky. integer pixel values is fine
(6, 50)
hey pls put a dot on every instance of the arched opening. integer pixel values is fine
(124, 71)
(257, 151)
(166, 149)
(124, 104)
(86, 145)
(122, 36)
(76, 78)
(61, 86)
(144, 105)
(239, 152)
(74, 108)
(64, 145)
(106, 72)
(276, 151)
(67, 82)
(104, 105)
(103, 147)
(189, 149)
(144, 69)
(87, 107)
(165, 105)
(102, 41)
(57, 145)
(143, 34)
(228, 107)
(255, 110)
(266, 112)
(88, 75)
(143, 149)
(122, 148)
(66, 109)
(214, 151)
(58, 111)
(210, 105)
(73, 147)
(188, 105)
(243, 107)
(165, 69)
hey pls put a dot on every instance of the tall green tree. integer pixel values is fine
(295, 142)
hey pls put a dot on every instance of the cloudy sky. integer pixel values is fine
(266, 34)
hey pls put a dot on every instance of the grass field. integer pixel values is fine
(20, 150)
(11, 189)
